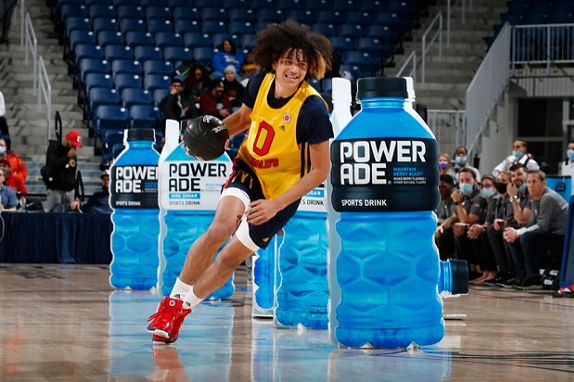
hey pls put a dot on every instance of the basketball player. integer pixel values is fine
(285, 155)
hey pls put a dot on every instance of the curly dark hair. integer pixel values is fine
(284, 39)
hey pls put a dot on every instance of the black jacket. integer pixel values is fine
(60, 169)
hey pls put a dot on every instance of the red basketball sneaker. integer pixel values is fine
(166, 322)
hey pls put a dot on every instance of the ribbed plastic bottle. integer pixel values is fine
(133, 197)
(189, 191)
(263, 273)
(384, 266)
(302, 290)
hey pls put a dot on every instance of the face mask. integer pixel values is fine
(466, 188)
(570, 154)
(487, 192)
(522, 187)
(501, 187)
(442, 165)
(517, 153)
(2, 150)
(460, 160)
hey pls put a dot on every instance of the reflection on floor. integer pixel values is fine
(64, 323)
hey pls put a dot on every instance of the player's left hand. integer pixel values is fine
(260, 211)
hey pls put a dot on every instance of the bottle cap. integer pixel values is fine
(459, 271)
(341, 90)
(141, 135)
(378, 87)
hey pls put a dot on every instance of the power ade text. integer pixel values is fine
(186, 176)
(361, 160)
(131, 179)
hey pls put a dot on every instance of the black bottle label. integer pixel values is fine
(384, 174)
(134, 187)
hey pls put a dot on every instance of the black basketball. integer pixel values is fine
(205, 137)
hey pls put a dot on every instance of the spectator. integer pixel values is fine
(6, 19)
(99, 202)
(226, 54)
(477, 233)
(232, 88)
(249, 67)
(567, 167)
(461, 161)
(196, 82)
(3, 122)
(8, 200)
(445, 166)
(12, 181)
(529, 245)
(519, 155)
(518, 192)
(17, 166)
(214, 102)
(175, 105)
(59, 174)
(446, 214)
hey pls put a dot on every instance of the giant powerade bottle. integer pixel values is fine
(133, 197)
(384, 268)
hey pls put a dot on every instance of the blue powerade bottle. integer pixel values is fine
(264, 271)
(384, 266)
(189, 193)
(133, 197)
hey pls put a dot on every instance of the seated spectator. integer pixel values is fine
(477, 233)
(445, 166)
(567, 167)
(519, 155)
(214, 102)
(8, 200)
(196, 82)
(530, 245)
(461, 161)
(226, 54)
(17, 166)
(233, 88)
(446, 214)
(175, 105)
(3, 121)
(99, 202)
(518, 193)
(249, 67)
(11, 181)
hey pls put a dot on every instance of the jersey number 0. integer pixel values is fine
(263, 139)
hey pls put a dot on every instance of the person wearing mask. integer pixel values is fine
(11, 181)
(59, 174)
(445, 166)
(233, 88)
(226, 54)
(519, 155)
(446, 214)
(18, 168)
(530, 244)
(214, 102)
(99, 202)
(567, 167)
(461, 161)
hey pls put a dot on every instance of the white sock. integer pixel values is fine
(191, 299)
(180, 289)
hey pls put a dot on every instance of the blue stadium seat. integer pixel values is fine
(176, 54)
(163, 39)
(536, 18)
(97, 80)
(81, 37)
(302, 16)
(351, 30)
(344, 5)
(106, 38)
(241, 14)
(158, 67)
(72, 10)
(125, 80)
(262, 4)
(102, 11)
(102, 2)
(360, 59)
(77, 23)
(136, 25)
(315, 5)
(369, 44)
(178, 3)
(132, 96)
(156, 81)
(207, 3)
(359, 17)
(110, 117)
(212, 13)
(87, 51)
(130, 12)
(327, 85)
(404, 8)
(102, 96)
(371, 6)
(341, 44)
(159, 25)
(158, 12)
(93, 65)
(240, 28)
(127, 67)
(196, 39)
(330, 17)
(102, 24)
(384, 33)
(159, 94)
(229, 4)
(325, 29)
(218, 38)
(203, 55)
(270, 16)
(213, 26)
(148, 3)
(134, 39)
(143, 116)
(286, 5)
(118, 52)
(247, 40)
(186, 13)
(143, 53)
(125, 2)
(183, 26)
(109, 140)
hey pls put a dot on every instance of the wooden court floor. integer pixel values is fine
(64, 323)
